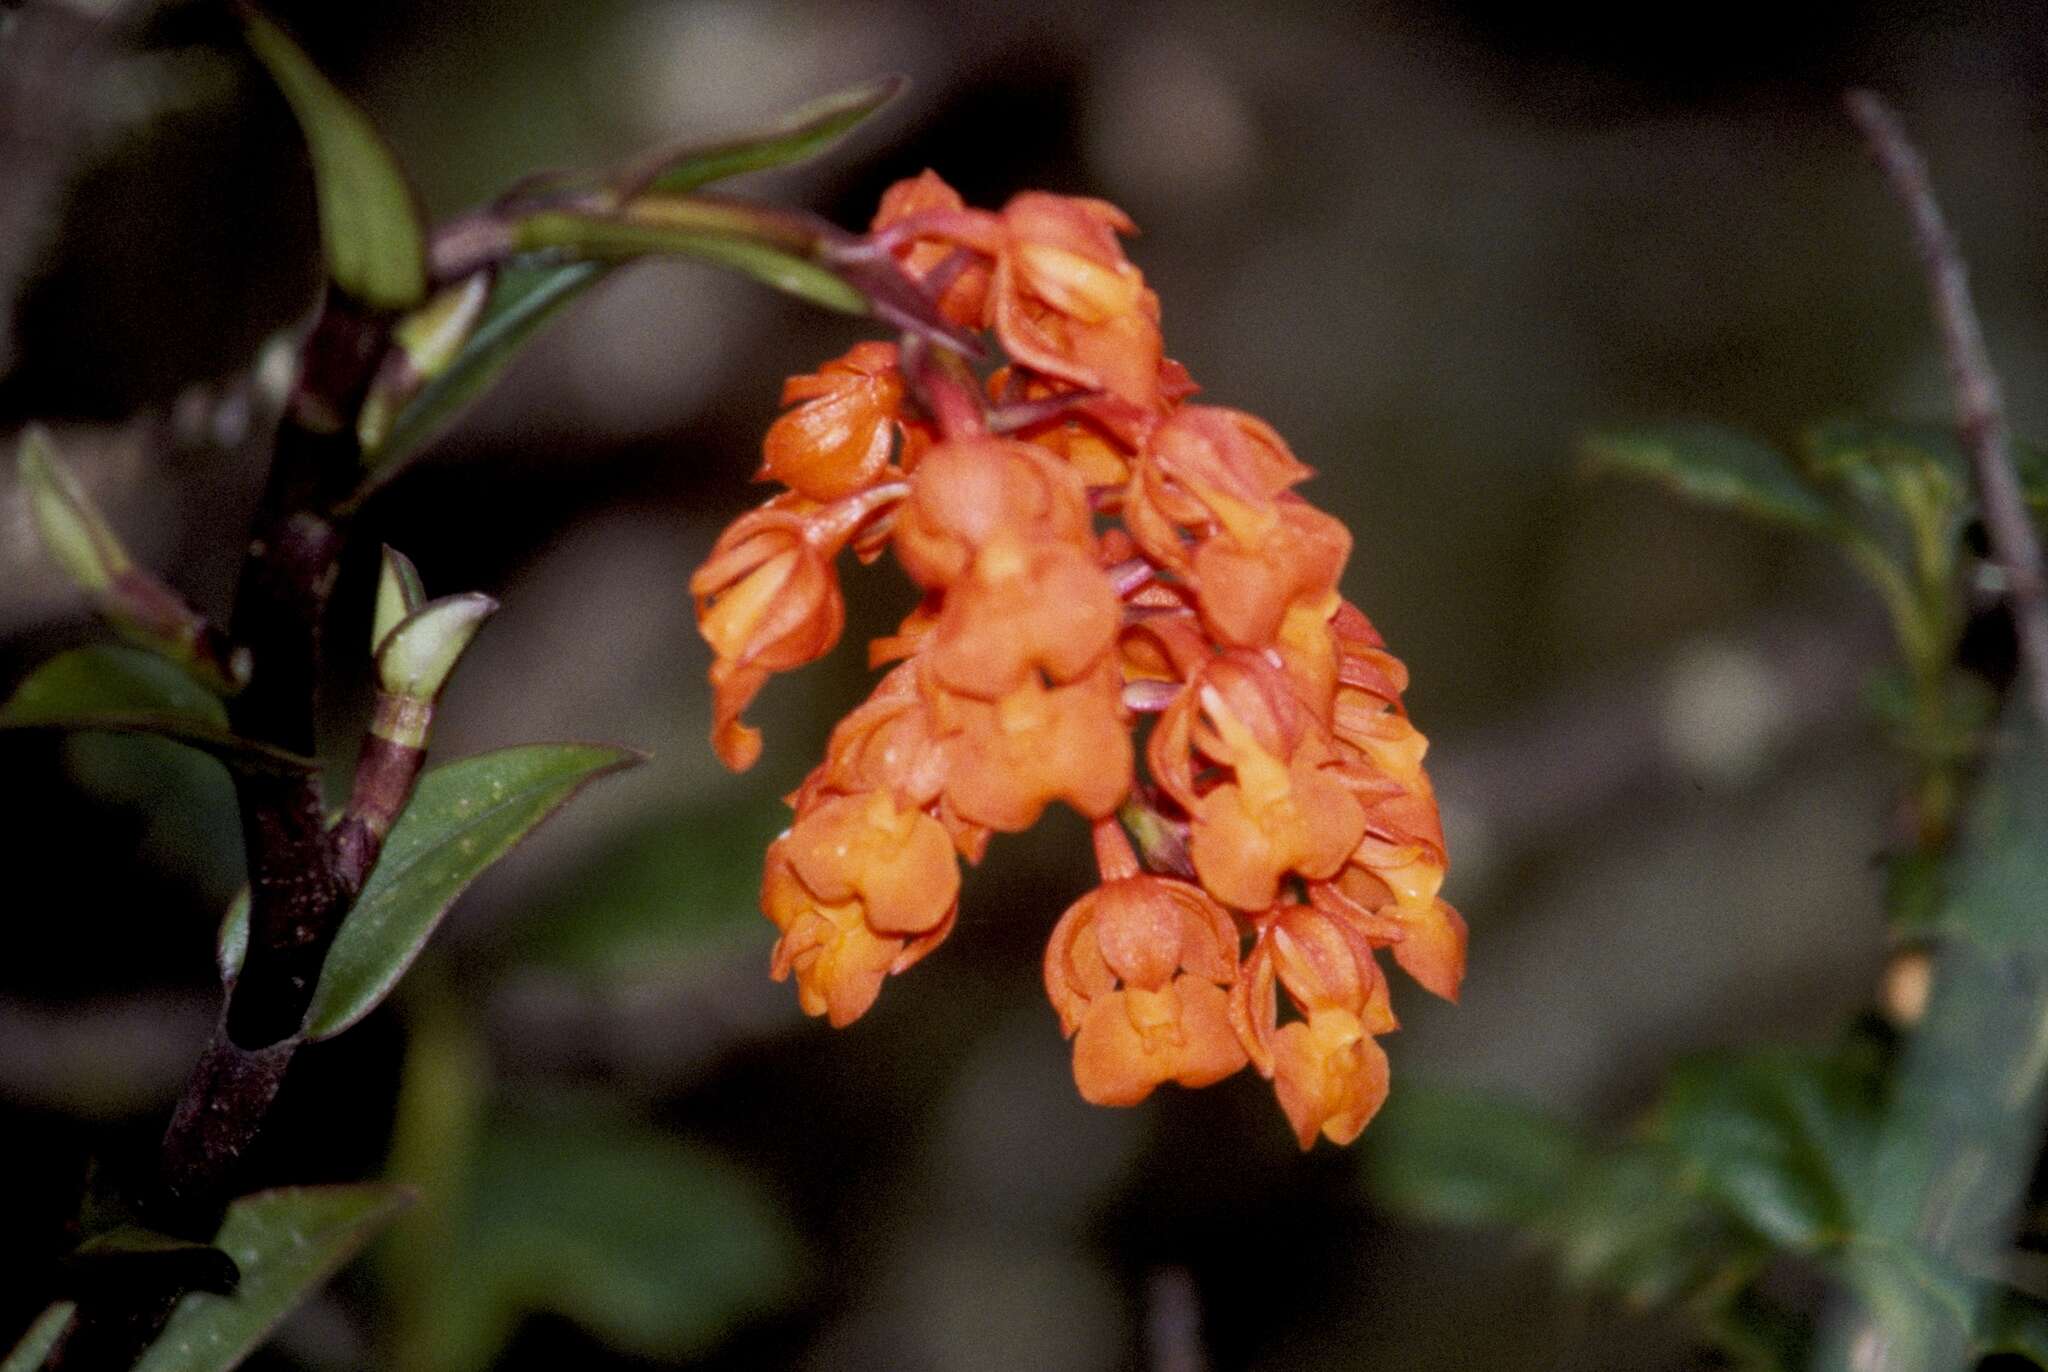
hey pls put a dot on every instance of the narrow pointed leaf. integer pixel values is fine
(522, 300)
(286, 1243)
(462, 818)
(108, 689)
(802, 133)
(41, 1338)
(369, 223)
(621, 239)
(1715, 466)
(73, 531)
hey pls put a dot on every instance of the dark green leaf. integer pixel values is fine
(42, 1336)
(369, 224)
(1459, 1158)
(461, 819)
(657, 1246)
(108, 689)
(1716, 467)
(1875, 455)
(1783, 1139)
(136, 1258)
(2001, 865)
(683, 887)
(801, 134)
(1619, 1218)
(522, 300)
(2013, 1323)
(621, 239)
(1624, 1221)
(286, 1243)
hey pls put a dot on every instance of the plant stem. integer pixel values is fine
(1980, 408)
(298, 892)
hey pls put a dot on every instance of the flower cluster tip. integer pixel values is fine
(1094, 552)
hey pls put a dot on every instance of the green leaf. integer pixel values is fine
(1458, 1158)
(609, 237)
(2000, 868)
(1618, 1217)
(369, 223)
(286, 1243)
(657, 1246)
(73, 531)
(1624, 1221)
(1715, 467)
(42, 1336)
(1874, 457)
(1871, 455)
(109, 689)
(682, 887)
(462, 818)
(525, 298)
(1783, 1139)
(522, 300)
(803, 133)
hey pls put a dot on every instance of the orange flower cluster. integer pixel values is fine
(1092, 550)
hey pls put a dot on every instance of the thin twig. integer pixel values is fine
(1980, 410)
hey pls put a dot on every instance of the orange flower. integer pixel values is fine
(838, 959)
(767, 600)
(1007, 759)
(1202, 470)
(1136, 969)
(890, 744)
(1089, 548)
(1283, 810)
(1066, 303)
(963, 493)
(1223, 478)
(841, 434)
(1023, 609)
(1329, 1074)
(1246, 589)
(963, 288)
(859, 887)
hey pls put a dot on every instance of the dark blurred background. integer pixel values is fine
(1432, 243)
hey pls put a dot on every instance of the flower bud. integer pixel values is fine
(424, 344)
(399, 593)
(416, 658)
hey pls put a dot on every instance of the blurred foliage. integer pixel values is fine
(1885, 1170)
(369, 225)
(560, 1204)
(285, 1243)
